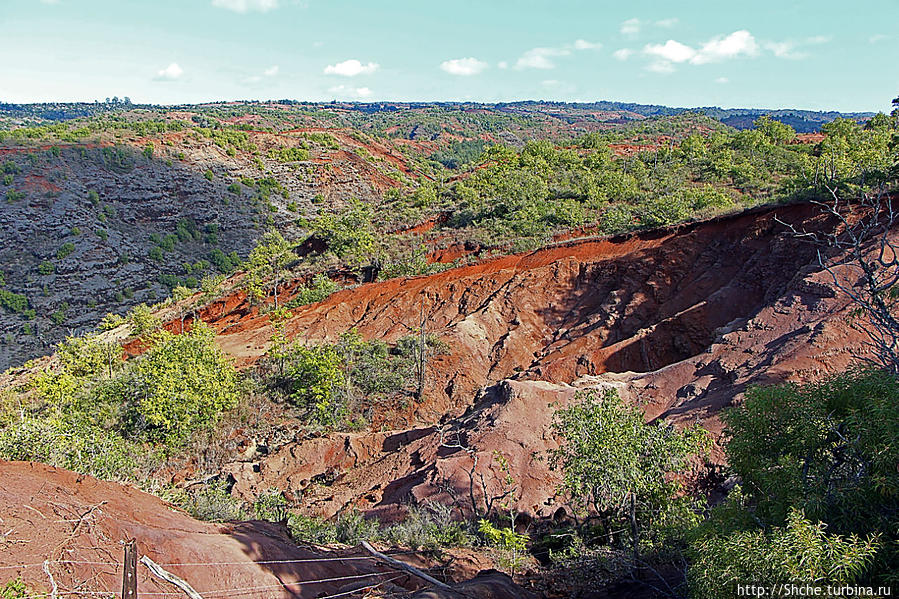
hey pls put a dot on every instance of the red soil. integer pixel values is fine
(681, 320)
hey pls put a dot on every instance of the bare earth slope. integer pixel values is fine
(680, 320)
(56, 515)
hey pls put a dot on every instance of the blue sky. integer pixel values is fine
(819, 54)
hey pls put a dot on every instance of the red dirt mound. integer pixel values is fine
(78, 524)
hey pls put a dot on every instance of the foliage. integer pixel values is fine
(143, 320)
(512, 544)
(289, 154)
(349, 234)
(314, 378)
(799, 551)
(428, 527)
(827, 449)
(624, 471)
(13, 302)
(267, 262)
(349, 528)
(65, 250)
(212, 502)
(180, 385)
(14, 589)
(330, 382)
(317, 290)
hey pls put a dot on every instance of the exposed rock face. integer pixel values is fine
(108, 267)
(681, 321)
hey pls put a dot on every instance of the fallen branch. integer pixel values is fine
(403, 566)
(169, 577)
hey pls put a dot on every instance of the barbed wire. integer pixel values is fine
(227, 591)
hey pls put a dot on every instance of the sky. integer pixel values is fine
(819, 55)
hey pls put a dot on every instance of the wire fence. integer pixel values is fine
(235, 591)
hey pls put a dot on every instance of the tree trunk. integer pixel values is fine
(635, 532)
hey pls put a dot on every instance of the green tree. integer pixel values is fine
(801, 550)
(315, 378)
(181, 384)
(619, 468)
(349, 234)
(267, 262)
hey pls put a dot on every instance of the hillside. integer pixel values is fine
(467, 333)
(118, 205)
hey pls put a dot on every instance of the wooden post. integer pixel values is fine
(129, 571)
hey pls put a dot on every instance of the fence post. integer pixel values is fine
(129, 571)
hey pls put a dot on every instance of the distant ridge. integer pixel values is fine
(803, 121)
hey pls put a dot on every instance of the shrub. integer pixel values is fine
(429, 527)
(348, 528)
(349, 234)
(211, 502)
(142, 320)
(65, 250)
(288, 154)
(315, 375)
(317, 290)
(616, 466)
(180, 385)
(800, 551)
(13, 302)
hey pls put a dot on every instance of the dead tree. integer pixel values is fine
(480, 501)
(860, 245)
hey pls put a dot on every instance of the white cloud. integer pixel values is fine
(630, 27)
(503, 64)
(351, 68)
(723, 47)
(170, 73)
(539, 58)
(244, 6)
(877, 38)
(585, 45)
(49, 1)
(717, 49)
(791, 48)
(667, 23)
(463, 66)
(670, 51)
(722, 80)
(271, 71)
(623, 53)
(350, 92)
(784, 50)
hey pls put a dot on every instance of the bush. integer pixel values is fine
(288, 154)
(13, 302)
(800, 551)
(317, 290)
(315, 376)
(211, 502)
(350, 234)
(180, 385)
(429, 527)
(828, 450)
(625, 471)
(349, 528)
(65, 250)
